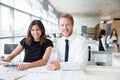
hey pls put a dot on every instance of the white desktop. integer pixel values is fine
(92, 71)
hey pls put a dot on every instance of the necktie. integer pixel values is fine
(66, 50)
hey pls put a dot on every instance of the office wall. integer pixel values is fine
(112, 24)
(91, 32)
(116, 25)
(82, 20)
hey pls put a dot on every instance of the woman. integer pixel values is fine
(37, 47)
(102, 46)
(112, 41)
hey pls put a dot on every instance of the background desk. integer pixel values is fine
(116, 60)
(102, 73)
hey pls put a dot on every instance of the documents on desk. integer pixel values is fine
(39, 73)
(10, 73)
(56, 75)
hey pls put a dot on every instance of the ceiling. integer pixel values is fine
(87, 7)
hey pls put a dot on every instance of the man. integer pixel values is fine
(77, 45)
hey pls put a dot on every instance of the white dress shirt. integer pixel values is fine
(110, 40)
(78, 52)
(114, 47)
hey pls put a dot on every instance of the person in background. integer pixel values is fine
(102, 38)
(78, 49)
(37, 47)
(53, 37)
(60, 35)
(112, 41)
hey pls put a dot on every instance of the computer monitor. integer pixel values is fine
(101, 57)
(8, 48)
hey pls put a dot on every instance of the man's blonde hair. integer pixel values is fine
(66, 15)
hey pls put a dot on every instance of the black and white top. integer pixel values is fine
(102, 45)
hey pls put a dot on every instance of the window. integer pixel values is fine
(22, 22)
(36, 8)
(7, 2)
(23, 5)
(16, 15)
(5, 21)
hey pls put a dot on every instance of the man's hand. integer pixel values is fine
(54, 65)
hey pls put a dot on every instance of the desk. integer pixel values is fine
(116, 59)
(40, 73)
(10, 73)
(102, 73)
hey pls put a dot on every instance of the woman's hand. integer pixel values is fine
(22, 66)
(5, 62)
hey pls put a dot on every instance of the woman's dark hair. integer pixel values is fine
(30, 38)
(111, 34)
(102, 32)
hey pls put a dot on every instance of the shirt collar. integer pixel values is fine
(70, 37)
